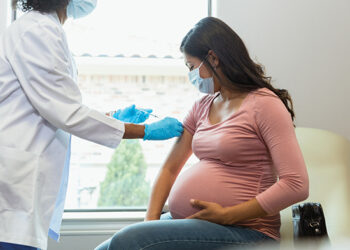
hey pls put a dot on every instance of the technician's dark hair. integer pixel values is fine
(211, 33)
(45, 6)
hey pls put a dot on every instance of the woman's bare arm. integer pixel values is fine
(176, 159)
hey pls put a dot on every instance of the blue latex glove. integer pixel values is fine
(164, 129)
(132, 115)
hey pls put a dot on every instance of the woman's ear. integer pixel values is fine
(213, 59)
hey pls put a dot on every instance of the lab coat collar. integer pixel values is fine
(53, 15)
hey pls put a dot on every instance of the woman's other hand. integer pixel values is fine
(210, 211)
(149, 218)
(152, 215)
(214, 212)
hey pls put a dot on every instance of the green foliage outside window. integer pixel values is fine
(125, 184)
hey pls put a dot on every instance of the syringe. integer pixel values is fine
(156, 116)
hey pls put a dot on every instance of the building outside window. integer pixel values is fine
(127, 52)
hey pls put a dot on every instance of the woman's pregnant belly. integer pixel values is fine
(213, 182)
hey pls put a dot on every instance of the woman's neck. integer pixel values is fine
(227, 94)
(228, 91)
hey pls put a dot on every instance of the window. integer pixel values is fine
(127, 52)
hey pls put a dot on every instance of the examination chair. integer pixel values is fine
(327, 157)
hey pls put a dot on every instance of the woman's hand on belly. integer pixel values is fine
(210, 211)
(214, 212)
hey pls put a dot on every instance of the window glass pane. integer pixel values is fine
(127, 52)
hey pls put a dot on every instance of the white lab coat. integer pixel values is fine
(40, 104)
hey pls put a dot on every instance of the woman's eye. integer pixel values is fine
(191, 68)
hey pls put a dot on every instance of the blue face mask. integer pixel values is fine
(80, 8)
(204, 85)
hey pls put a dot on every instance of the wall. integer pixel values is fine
(304, 46)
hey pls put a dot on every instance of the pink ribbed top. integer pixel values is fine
(253, 153)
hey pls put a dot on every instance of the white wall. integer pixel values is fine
(305, 47)
(3, 14)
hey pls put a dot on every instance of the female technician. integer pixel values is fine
(40, 106)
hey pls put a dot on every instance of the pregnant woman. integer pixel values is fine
(250, 164)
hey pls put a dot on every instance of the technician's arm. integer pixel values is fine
(178, 156)
(133, 131)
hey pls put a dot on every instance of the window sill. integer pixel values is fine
(98, 223)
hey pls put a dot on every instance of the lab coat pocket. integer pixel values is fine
(18, 170)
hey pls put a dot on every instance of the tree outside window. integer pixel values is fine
(125, 184)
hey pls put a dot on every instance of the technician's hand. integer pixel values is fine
(164, 129)
(210, 211)
(132, 115)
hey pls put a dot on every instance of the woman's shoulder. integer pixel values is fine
(264, 93)
(265, 96)
(267, 105)
(204, 101)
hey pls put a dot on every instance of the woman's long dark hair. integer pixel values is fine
(244, 74)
